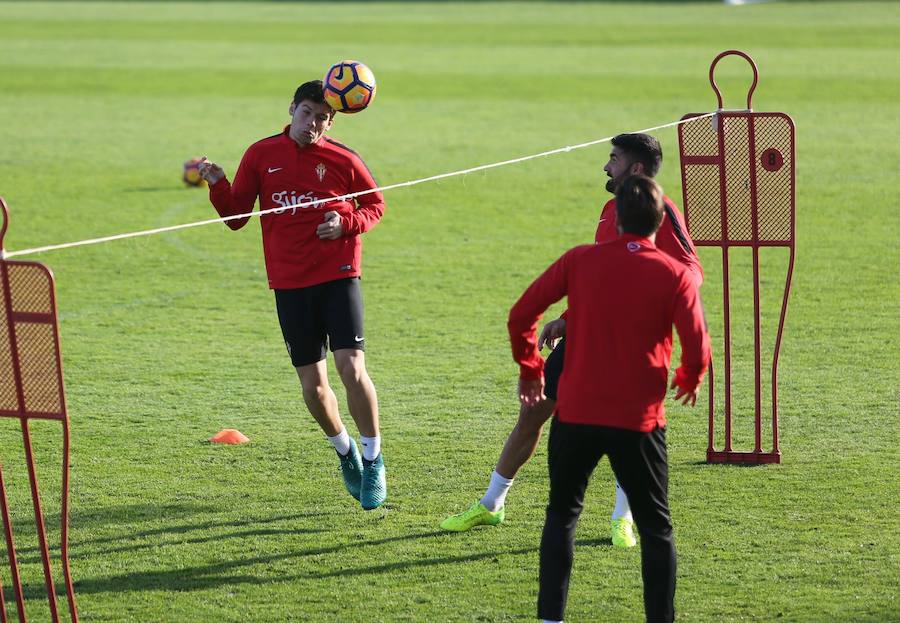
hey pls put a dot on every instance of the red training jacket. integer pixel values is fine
(280, 172)
(624, 297)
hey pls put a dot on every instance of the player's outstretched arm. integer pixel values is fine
(232, 199)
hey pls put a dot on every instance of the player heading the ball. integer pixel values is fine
(313, 254)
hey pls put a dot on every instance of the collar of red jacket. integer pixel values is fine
(641, 240)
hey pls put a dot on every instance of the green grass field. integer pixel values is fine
(168, 339)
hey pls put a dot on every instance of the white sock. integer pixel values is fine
(495, 496)
(341, 442)
(622, 509)
(550, 621)
(371, 447)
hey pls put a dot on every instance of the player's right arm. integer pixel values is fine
(231, 199)
(547, 289)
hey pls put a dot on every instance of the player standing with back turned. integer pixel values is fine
(313, 259)
(612, 395)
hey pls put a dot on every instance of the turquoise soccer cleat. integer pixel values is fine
(373, 492)
(352, 470)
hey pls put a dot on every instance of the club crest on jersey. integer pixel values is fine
(633, 246)
(320, 171)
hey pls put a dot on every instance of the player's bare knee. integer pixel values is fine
(316, 393)
(351, 367)
(313, 384)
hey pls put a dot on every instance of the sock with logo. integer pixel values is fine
(495, 496)
(341, 442)
(371, 447)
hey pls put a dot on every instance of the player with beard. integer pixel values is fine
(631, 154)
(313, 259)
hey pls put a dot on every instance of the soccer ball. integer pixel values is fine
(191, 173)
(349, 86)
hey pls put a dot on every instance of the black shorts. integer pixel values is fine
(327, 314)
(553, 367)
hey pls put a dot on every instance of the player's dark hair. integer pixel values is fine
(639, 205)
(641, 148)
(311, 91)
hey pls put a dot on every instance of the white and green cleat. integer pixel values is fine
(373, 492)
(622, 532)
(477, 515)
(352, 470)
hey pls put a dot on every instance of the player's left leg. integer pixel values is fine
(344, 314)
(640, 462)
(518, 450)
(362, 402)
(572, 454)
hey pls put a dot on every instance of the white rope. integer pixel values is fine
(307, 204)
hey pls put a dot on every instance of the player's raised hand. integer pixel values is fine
(551, 333)
(684, 395)
(531, 392)
(331, 228)
(210, 171)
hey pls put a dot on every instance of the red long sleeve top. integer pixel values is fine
(624, 297)
(279, 172)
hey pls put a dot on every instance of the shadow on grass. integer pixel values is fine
(414, 564)
(76, 547)
(150, 189)
(704, 462)
(203, 577)
(217, 574)
(104, 515)
(446, 560)
(603, 542)
(75, 555)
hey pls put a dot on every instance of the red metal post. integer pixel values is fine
(31, 353)
(39, 522)
(11, 551)
(726, 287)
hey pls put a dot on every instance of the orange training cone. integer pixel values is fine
(230, 436)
